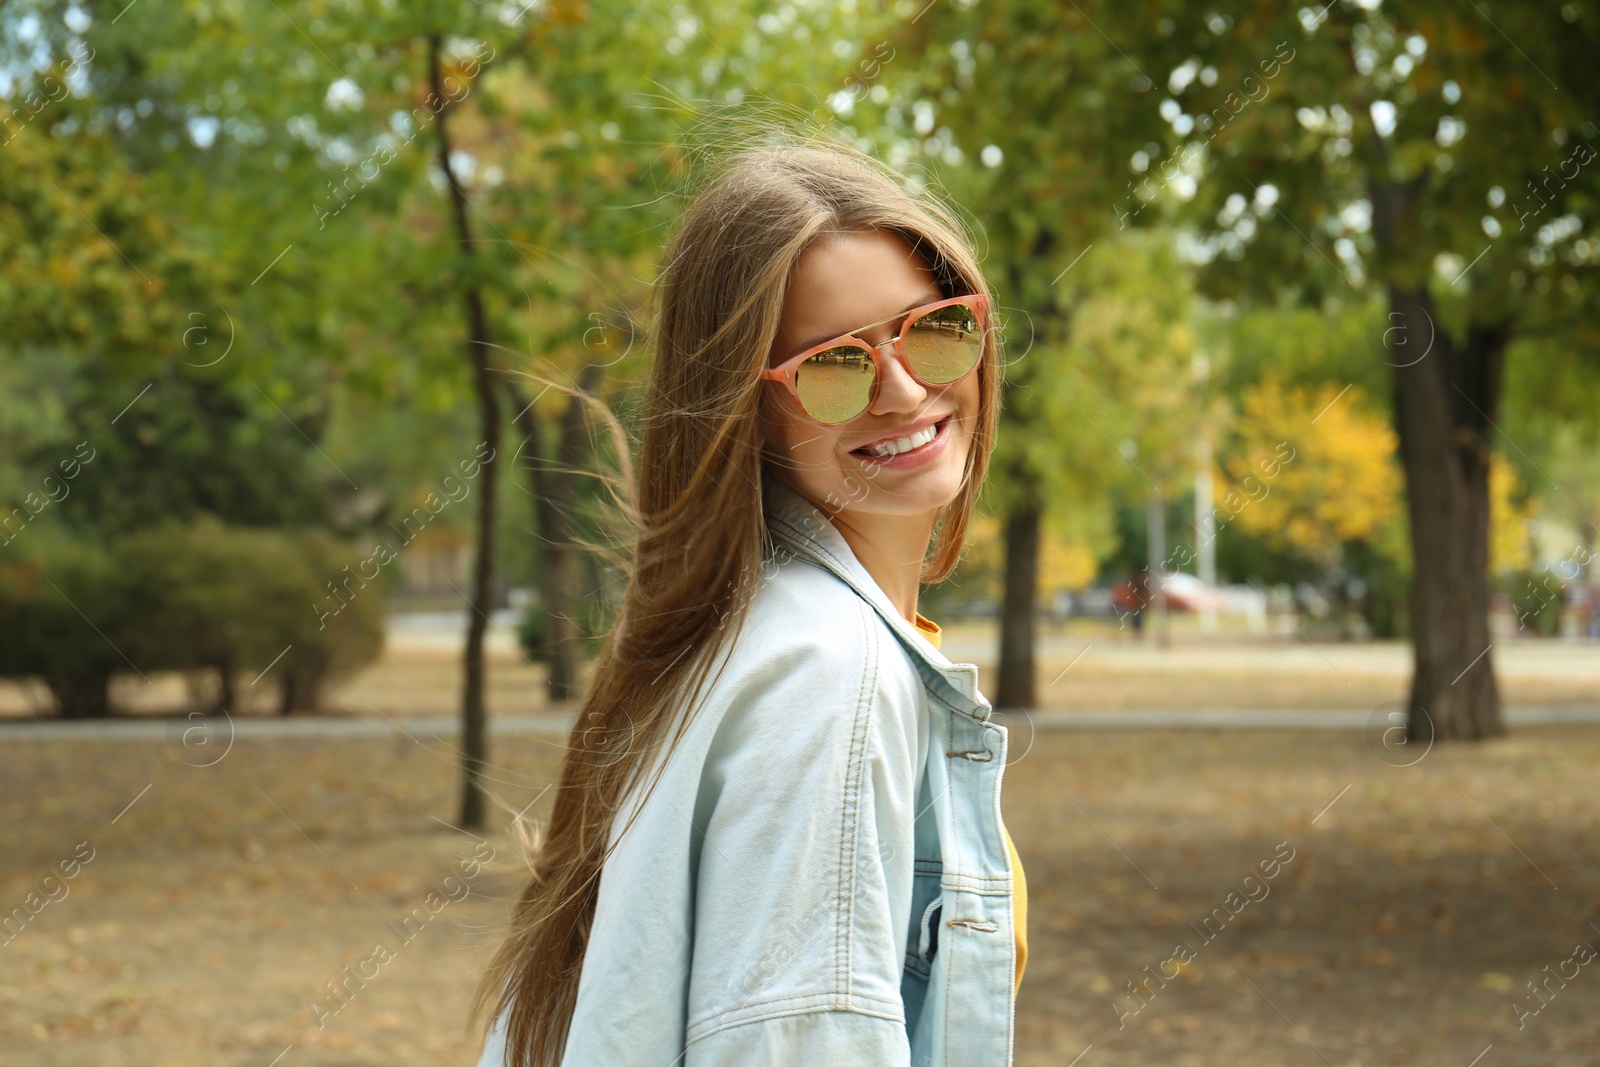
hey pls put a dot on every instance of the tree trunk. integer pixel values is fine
(556, 586)
(227, 689)
(559, 663)
(474, 725)
(1019, 607)
(1445, 404)
(1017, 613)
(299, 690)
(555, 496)
(84, 694)
(563, 636)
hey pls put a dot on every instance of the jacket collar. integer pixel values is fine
(807, 532)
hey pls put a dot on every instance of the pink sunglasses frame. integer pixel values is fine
(785, 371)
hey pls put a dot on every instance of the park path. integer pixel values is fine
(158, 729)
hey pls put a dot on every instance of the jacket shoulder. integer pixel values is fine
(807, 626)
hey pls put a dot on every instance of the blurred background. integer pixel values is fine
(1287, 549)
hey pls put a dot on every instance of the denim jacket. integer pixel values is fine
(819, 877)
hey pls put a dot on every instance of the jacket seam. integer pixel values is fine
(802, 540)
(850, 830)
(893, 1011)
(1010, 906)
(946, 800)
(977, 885)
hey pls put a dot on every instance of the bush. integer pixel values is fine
(196, 596)
(64, 614)
(235, 600)
(326, 644)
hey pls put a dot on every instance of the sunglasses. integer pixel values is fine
(939, 344)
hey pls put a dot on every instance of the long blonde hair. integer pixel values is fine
(721, 295)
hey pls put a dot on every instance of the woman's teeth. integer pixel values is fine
(904, 444)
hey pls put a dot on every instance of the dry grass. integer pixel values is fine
(218, 905)
(1401, 933)
(221, 900)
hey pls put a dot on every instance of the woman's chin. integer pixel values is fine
(909, 493)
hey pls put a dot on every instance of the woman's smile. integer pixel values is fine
(908, 448)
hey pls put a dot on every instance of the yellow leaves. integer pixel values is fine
(983, 550)
(567, 12)
(64, 272)
(1065, 563)
(1509, 547)
(455, 75)
(1181, 337)
(1342, 483)
(1345, 482)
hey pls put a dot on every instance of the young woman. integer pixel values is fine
(777, 837)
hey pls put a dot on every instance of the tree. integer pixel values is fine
(1026, 110)
(597, 162)
(1326, 151)
(314, 153)
(1305, 350)
(474, 716)
(1311, 473)
(1313, 470)
(1408, 150)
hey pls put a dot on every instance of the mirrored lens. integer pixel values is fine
(944, 344)
(835, 385)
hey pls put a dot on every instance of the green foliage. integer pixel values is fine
(195, 596)
(1536, 599)
(92, 257)
(235, 600)
(55, 591)
(238, 209)
(1425, 146)
(322, 649)
(1111, 401)
(1298, 346)
(1027, 111)
(1266, 129)
(261, 180)
(1262, 134)
(194, 442)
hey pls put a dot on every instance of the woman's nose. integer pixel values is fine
(898, 391)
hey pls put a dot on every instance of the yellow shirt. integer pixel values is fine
(931, 631)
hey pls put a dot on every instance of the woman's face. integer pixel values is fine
(840, 283)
